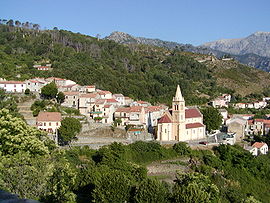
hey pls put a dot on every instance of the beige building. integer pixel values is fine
(134, 115)
(182, 124)
(71, 99)
(49, 121)
(237, 125)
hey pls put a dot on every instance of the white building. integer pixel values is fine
(258, 148)
(13, 86)
(120, 98)
(35, 85)
(49, 121)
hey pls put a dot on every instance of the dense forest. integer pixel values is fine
(141, 72)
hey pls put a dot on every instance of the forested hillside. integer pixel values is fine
(139, 71)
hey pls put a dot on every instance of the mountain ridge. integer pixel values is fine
(250, 59)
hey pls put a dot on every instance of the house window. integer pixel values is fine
(44, 124)
(5, 85)
(15, 86)
(165, 130)
(74, 97)
(50, 124)
(56, 123)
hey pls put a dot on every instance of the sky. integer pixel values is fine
(183, 21)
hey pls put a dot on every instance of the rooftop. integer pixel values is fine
(49, 116)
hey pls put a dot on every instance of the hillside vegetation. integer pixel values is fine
(139, 71)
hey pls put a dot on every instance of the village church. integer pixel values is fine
(181, 123)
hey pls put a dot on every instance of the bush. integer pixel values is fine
(181, 148)
(27, 91)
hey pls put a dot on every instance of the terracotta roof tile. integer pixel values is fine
(49, 116)
(111, 101)
(11, 82)
(89, 95)
(192, 113)
(123, 109)
(71, 93)
(165, 119)
(258, 145)
(194, 125)
(136, 109)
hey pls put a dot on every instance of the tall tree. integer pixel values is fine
(211, 118)
(17, 136)
(68, 130)
(49, 91)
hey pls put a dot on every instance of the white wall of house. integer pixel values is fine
(49, 126)
(164, 132)
(13, 87)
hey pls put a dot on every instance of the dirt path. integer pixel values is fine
(166, 170)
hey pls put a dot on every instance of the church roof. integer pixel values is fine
(194, 125)
(165, 119)
(192, 113)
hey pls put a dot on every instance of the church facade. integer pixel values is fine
(182, 123)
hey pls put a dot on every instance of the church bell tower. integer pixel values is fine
(178, 114)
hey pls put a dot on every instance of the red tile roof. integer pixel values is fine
(107, 106)
(192, 113)
(104, 92)
(194, 125)
(71, 93)
(136, 108)
(90, 95)
(11, 82)
(259, 120)
(49, 116)
(153, 108)
(111, 101)
(123, 109)
(258, 145)
(90, 86)
(165, 119)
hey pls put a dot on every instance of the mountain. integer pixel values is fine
(258, 59)
(257, 43)
(140, 71)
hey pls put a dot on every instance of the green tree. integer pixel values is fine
(194, 187)
(17, 136)
(24, 175)
(150, 190)
(114, 186)
(49, 91)
(68, 130)
(211, 118)
(61, 181)
(60, 97)
(182, 148)
(27, 91)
